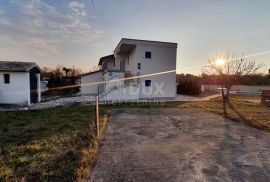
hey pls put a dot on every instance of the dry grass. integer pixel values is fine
(237, 109)
(52, 145)
(253, 114)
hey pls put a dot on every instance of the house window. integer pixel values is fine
(148, 55)
(6, 78)
(139, 66)
(148, 83)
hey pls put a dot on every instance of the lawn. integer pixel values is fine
(52, 145)
(59, 144)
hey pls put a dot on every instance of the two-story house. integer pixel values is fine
(138, 69)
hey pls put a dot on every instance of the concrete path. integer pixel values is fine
(186, 98)
(90, 99)
(256, 101)
(180, 145)
(62, 102)
(51, 104)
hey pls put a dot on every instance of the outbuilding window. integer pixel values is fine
(148, 83)
(6, 78)
(148, 55)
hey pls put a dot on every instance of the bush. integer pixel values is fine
(62, 80)
(188, 85)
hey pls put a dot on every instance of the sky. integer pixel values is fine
(78, 33)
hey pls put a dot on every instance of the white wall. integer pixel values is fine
(110, 65)
(38, 86)
(86, 80)
(162, 59)
(111, 76)
(122, 93)
(44, 86)
(18, 91)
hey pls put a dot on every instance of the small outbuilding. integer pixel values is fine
(19, 83)
(87, 83)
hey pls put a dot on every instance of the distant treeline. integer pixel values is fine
(189, 84)
(256, 79)
(62, 80)
(216, 79)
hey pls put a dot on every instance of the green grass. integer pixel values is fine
(51, 145)
(59, 144)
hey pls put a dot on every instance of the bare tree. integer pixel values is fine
(228, 67)
(66, 70)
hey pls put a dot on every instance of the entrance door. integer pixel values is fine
(122, 65)
(33, 88)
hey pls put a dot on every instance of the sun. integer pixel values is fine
(220, 61)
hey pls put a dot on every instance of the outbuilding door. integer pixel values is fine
(33, 88)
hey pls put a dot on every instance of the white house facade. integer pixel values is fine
(89, 78)
(19, 83)
(138, 69)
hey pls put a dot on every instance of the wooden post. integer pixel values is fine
(97, 116)
(265, 98)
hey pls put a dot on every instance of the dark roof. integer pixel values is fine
(90, 73)
(104, 58)
(148, 41)
(15, 66)
(141, 40)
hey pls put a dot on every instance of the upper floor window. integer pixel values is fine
(148, 83)
(6, 78)
(148, 55)
(139, 66)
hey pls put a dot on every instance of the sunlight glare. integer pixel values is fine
(220, 61)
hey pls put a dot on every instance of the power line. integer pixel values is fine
(101, 23)
(93, 4)
(154, 74)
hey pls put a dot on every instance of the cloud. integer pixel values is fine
(42, 26)
(39, 45)
(78, 8)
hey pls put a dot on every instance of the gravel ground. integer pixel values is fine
(180, 145)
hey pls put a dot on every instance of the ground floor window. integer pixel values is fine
(147, 83)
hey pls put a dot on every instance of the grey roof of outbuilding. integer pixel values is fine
(89, 73)
(15, 66)
(105, 57)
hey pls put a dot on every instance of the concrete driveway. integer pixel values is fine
(180, 145)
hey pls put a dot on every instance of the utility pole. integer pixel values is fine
(97, 115)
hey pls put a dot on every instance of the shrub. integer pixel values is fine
(188, 85)
(62, 80)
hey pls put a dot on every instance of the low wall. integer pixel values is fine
(251, 88)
